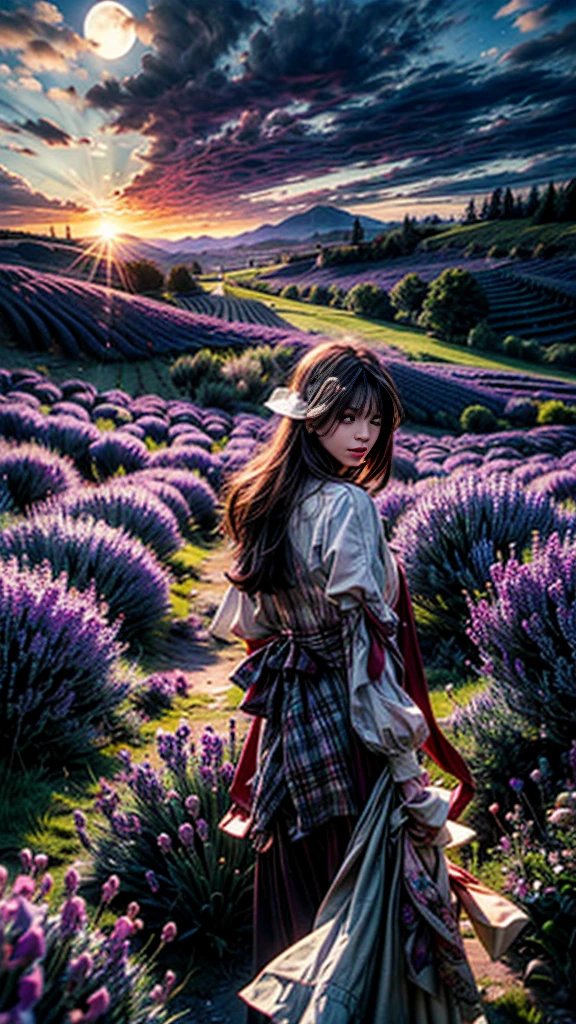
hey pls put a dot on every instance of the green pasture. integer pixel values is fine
(338, 323)
(506, 233)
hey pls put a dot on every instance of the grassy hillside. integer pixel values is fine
(506, 233)
(336, 323)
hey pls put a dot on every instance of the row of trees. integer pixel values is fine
(555, 203)
(145, 276)
(401, 241)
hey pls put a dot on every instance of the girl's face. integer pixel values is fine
(352, 436)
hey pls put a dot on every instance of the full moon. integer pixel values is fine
(111, 26)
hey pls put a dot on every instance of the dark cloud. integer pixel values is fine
(324, 87)
(40, 37)
(7, 126)
(49, 132)
(547, 47)
(17, 198)
(21, 150)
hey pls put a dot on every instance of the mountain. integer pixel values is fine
(301, 227)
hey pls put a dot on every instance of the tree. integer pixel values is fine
(52, 231)
(410, 237)
(546, 212)
(68, 233)
(533, 202)
(407, 296)
(357, 232)
(144, 276)
(485, 210)
(454, 305)
(567, 209)
(470, 216)
(368, 299)
(319, 295)
(495, 205)
(519, 207)
(508, 205)
(196, 269)
(180, 280)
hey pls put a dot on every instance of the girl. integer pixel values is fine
(314, 589)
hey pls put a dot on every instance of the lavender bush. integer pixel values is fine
(70, 436)
(31, 474)
(127, 505)
(61, 966)
(124, 573)
(114, 452)
(455, 531)
(57, 657)
(158, 692)
(160, 834)
(199, 495)
(525, 633)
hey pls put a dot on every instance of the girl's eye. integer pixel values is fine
(347, 418)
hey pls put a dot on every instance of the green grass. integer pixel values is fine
(507, 233)
(338, 323)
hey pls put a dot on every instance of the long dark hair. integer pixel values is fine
(330, 378)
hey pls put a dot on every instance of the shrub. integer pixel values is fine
(68, 968)
(408, 294)
(20, 423)
(319, 295)
(478, 419)
(560, 354)
(189, 456)
(455, 303)
(512, 346)
(57, 655)
(188, 372)
(483, 337)
(162, 839)
(116, 452)
(524, 633)
(532, 351)
(144, 276)
(129, 506)
(158, 692)
(31, 474)
(198, 494)
(290, 291)
(90, 553)
(181, 281)
(555, 411)
(70, 436)
(369, 300)
(521, 411)
(455, 531)
(497, 251)
(337, 296)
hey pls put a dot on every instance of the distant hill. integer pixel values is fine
(316, 223)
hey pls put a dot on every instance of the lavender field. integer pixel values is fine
(110, 502)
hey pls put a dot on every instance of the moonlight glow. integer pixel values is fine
(111, 27)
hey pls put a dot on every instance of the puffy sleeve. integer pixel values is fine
(244, 616)
(357, 571)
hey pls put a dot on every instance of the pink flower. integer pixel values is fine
(26, 859)
(30, 988)
(110, 888)
(81, 967)
(40, 862)
(46, 883)
(23, 886)
(536, 776)
(169, 981)
(29, 947)
(164, 842)
(71, 881)
(186, 834)
(192, 805)
(72, 914)
(157, 994)
(133, 910)
(123, 929)
(505, 844)
(3, 878)
(152, 881)
(169, 932)
(97, 1004)
(494, 809)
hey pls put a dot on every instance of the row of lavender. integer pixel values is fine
(97, 511)
(46, 312)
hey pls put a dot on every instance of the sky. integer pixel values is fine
(226, 114)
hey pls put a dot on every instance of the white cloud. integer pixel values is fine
(511, 8)
(492, 52)
(532, 20)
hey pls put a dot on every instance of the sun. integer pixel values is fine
(107, 231)
(110, 26)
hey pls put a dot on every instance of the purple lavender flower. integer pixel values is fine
(186, 834)
(152, 880)
(71, 881)
(164, 842)
(110, 888)
(202, 829)
(169, 932)
(72, 915)
(192, 805)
